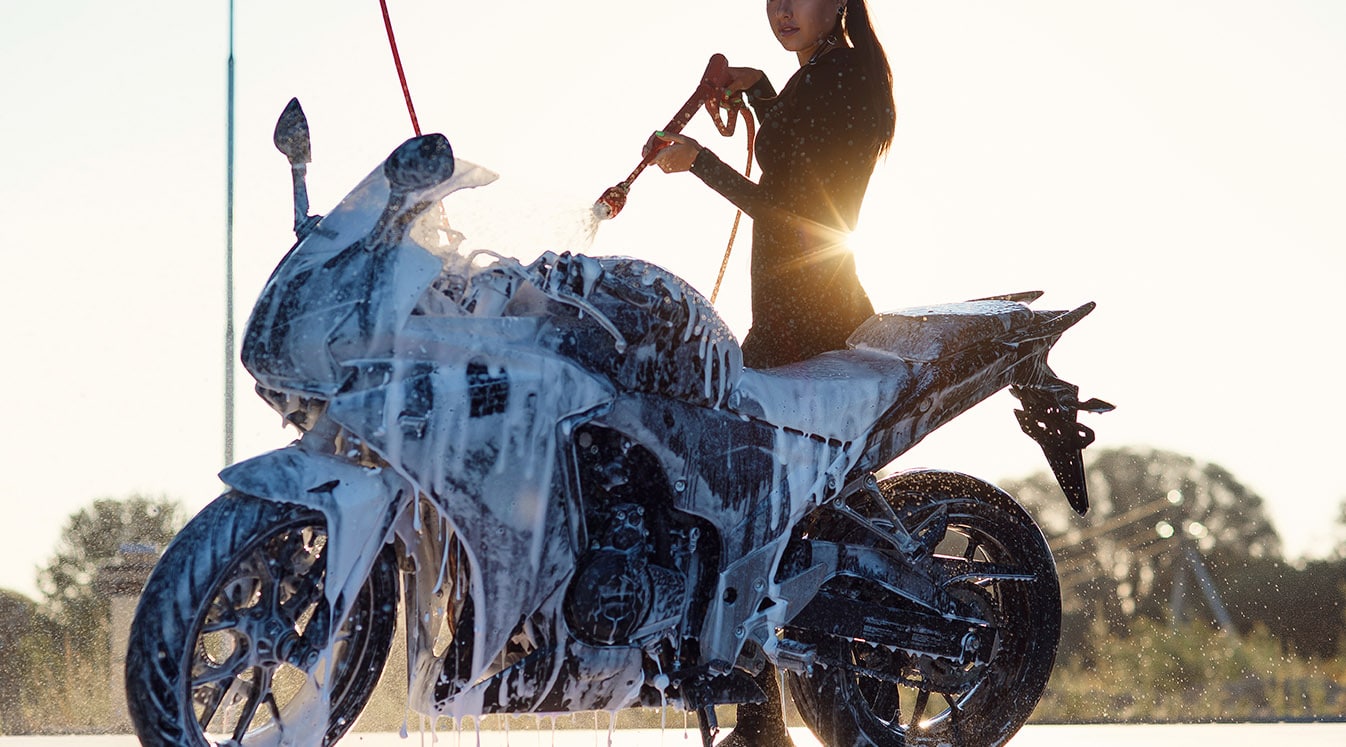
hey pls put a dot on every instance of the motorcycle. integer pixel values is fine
(585, 502)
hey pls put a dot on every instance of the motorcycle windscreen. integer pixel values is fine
(344, 292)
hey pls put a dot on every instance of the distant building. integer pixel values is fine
(121, 580)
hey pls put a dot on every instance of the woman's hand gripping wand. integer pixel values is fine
(710, 93)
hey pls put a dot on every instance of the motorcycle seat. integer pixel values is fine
(841, 394)
(837, 395)
(928, 333)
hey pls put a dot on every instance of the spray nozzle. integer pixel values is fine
(612, 201)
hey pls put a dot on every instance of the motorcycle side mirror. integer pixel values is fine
(291, 135)
(291, 138)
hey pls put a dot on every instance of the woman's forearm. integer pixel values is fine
(744, 193)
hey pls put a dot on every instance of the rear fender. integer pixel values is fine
(359, 504)
(1051, 406)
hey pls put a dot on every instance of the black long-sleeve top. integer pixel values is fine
(817, 145)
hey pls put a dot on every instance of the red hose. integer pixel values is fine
(747, 171)
(401, 74)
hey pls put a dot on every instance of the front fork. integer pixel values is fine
(360, 505)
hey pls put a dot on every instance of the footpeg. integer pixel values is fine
(795, 656)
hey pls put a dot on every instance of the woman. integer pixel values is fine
(817, 146)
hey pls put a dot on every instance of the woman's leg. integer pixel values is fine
(762, 724)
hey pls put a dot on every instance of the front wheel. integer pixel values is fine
(232, 641)
(862, 694)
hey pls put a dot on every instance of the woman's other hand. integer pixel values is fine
(743, 78)
(678, 153)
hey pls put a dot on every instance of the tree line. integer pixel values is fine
(54, 655)
(1173, 540)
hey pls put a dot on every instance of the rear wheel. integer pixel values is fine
(862, 694)
(232, 642)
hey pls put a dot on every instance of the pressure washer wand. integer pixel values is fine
(709, 93)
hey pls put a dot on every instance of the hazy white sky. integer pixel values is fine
(1181, 162)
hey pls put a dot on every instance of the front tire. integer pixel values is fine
(233, 626)
(893, 698)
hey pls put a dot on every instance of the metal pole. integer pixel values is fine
(229, 257)
(1207, 584)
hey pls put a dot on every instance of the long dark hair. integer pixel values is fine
(856, 26)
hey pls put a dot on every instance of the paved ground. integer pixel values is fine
(1223, 735)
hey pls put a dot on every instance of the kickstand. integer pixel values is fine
(710, 727)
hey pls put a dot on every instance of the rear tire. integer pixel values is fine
(231, 622)
(913, 700)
